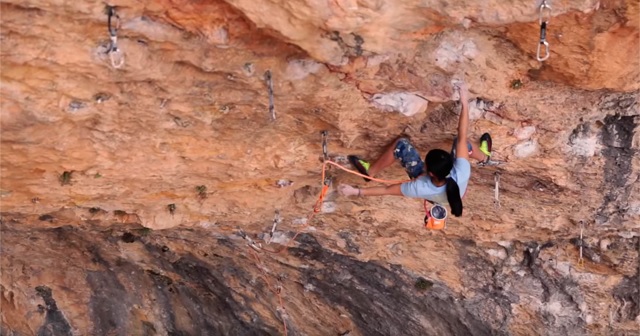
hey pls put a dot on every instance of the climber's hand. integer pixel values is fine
(463, 90)
(348, 190)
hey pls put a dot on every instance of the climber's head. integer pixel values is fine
(439, 164)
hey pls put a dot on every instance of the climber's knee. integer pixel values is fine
(455, 144)
(409, 157)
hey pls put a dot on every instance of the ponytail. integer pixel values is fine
(453, 197)
(439, 164)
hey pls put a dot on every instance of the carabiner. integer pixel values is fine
(541, 12)
(113, 46)
(544, 15)
(111, 12)
(325, 154)
(117, 58)
(546, 51)
(580, 258)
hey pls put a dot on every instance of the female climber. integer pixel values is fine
(441, 178)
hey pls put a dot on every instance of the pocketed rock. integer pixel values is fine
(407, 104)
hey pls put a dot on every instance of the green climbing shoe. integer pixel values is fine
(485, 145)
(361, 165)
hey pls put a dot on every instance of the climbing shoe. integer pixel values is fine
(485, 145)
(361, 165)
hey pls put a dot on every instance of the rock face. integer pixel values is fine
(126, 191)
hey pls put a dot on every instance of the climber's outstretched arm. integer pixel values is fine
(463, 124)
(348, 190)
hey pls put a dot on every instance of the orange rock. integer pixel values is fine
(189, 108)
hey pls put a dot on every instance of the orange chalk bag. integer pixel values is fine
(436, 216)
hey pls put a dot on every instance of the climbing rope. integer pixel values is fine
(316, 209)
(318, 205)
(544, 14)
(277, 290)
(115, 55)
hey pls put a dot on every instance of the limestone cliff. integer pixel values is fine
(126, 190)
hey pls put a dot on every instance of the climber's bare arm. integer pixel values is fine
(348, 190)
(393, 189)
(463, 124)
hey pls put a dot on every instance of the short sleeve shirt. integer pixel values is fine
(422, 187)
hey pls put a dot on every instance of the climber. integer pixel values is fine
(441, 178)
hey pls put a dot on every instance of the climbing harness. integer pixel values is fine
(115, 54)
(580, 244)
(544, 14)
(496, 190)
(269, 81)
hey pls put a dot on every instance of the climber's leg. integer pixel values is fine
(475, 153)
(385, 160)
(455, 144)
(409, 158)
(404, 151)
(481, 152)
(361, 165)
(400, 149)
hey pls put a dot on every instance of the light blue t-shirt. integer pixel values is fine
(422, 187)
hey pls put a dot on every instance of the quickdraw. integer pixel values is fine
(115, 54)
(276, 220)
(325, 155)
(269, 81)
(250, 242)
(490, 163)
(496, 190)
(581, 243)
(544, 14)
(325, 138)
(326, 178)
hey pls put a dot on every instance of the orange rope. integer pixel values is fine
(316, 209)
(277, 292)
(361, 175)
(318, 204)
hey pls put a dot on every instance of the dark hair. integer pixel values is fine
(439, 163)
